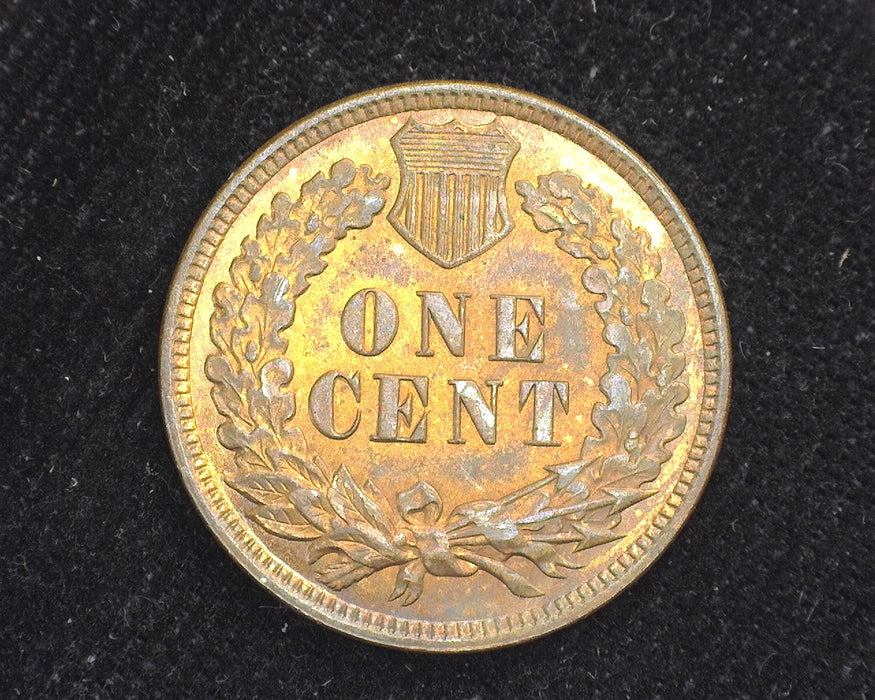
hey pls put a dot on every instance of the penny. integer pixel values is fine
(445, 366)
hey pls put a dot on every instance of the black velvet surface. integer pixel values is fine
(119, 123)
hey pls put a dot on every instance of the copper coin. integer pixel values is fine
(445, 366)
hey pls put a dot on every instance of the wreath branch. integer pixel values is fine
(353, 530)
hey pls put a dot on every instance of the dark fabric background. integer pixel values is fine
(119, 123)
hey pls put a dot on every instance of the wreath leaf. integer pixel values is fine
(271, 405)
(285, 523)
(266, 488)
(353, 505)
(517, 583)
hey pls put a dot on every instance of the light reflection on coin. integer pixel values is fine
(445, 366)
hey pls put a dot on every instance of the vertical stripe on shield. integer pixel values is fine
(458, 237)
(491, 204)
(474, 217)
(425, 225)
(442, 214)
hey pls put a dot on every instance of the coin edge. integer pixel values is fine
(428, 95)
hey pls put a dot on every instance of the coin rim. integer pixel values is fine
(422, 94)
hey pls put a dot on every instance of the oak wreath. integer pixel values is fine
(354, 530)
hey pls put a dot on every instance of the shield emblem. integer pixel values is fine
(451, 204)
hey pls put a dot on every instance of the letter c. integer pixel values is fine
(321, 404)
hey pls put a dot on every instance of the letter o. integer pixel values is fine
(384, 322)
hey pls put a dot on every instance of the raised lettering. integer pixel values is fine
(451, 327)
(545, 393)
(392, 411)
(509, 330)
(467, 394)
(321, 404)
(369, 322)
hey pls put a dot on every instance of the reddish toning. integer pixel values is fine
(445, 366)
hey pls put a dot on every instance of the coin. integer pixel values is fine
(445, 366)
